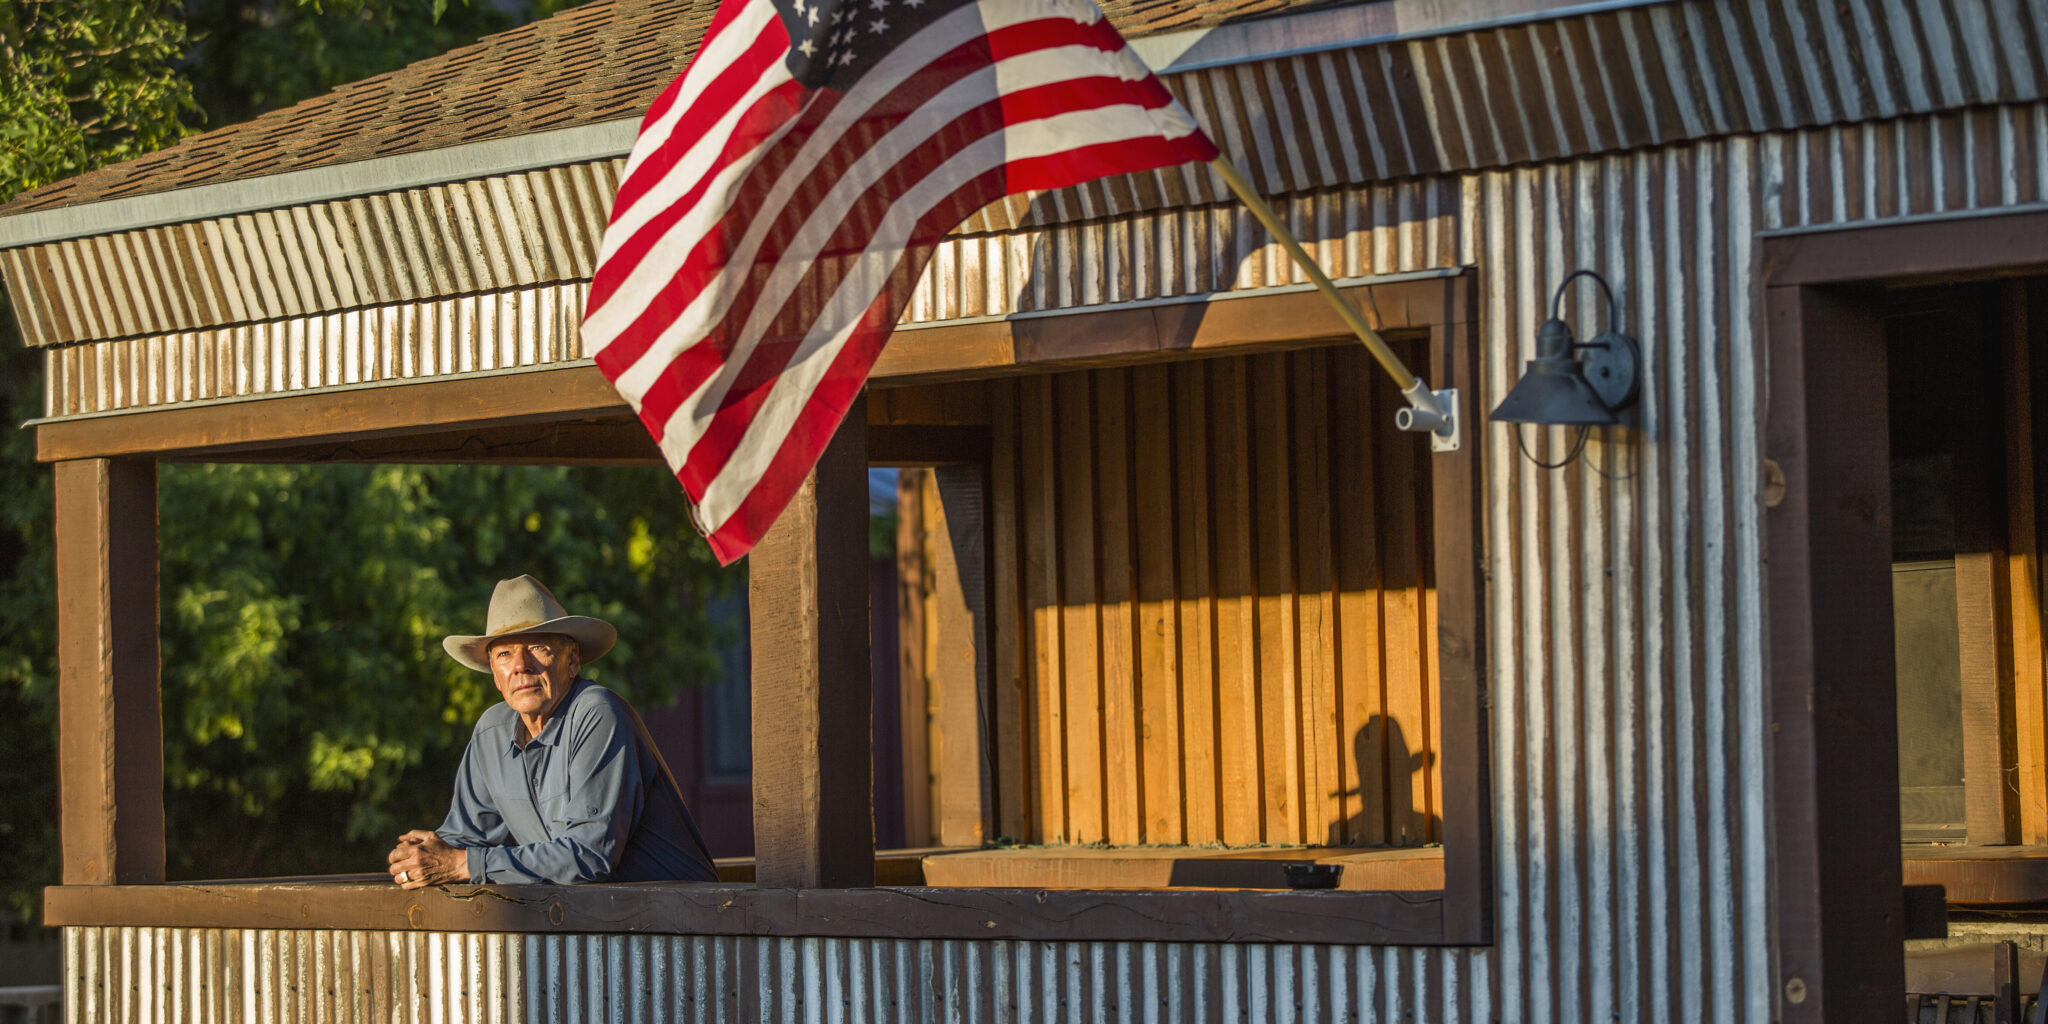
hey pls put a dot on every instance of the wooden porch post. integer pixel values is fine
(807, 593)
(1833, 696)
(110, 719)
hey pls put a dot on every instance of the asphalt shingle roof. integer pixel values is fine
(589, 64)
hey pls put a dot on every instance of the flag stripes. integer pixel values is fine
(767, 235)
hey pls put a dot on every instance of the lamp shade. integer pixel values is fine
(1553, 390)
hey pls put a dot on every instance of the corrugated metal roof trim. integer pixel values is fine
(605, 61)
(1340, 118)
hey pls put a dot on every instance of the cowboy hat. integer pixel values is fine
(524, 605)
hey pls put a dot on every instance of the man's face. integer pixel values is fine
(534, 672)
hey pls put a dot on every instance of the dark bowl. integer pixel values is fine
(1305, 875)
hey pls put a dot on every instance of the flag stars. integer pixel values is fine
(877, 27)
(808, 48)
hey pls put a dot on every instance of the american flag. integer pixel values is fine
(786, 192)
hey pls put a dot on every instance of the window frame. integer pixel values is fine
(569, 415)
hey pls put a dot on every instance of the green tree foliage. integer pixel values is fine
(307, 702)
(86, 82)
(308, 712)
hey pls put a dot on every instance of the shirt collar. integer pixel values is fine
(550, 733)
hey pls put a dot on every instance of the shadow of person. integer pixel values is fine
(1391, 811)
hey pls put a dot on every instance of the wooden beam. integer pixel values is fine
(1458, 559)
(1832, 693)
(1131, 335)
(616, 441)
(110, 730)
(913, 709)
(2025, 317)
(807, 593)
(893, 445)
(471, 403)
(958, 352)
(956, 663)
(361, 903)
(1959, 247)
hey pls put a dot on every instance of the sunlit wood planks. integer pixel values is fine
(1225, 575)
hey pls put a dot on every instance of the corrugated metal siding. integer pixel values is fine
(1377, 229)
(123, 975)
(527, 327)
(1625, 594)
(204, 976)
(1225, 616)
(1613, 81)
(491, 234)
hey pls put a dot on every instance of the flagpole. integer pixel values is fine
(1428, 410)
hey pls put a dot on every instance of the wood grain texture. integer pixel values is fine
(1080, 611)
(359, 415)
(109, 702)
(1194, 550)
(1123, 741)
(1322, 736)
(1157, 639)
(1010, 710)
(1040, 581)
(1837, 872)
(1271, 506)
(912, 652)
(2023, 373)
(1236, 636)
(807, 587)
(1212, 624)
(1361, 918)
(955, 531)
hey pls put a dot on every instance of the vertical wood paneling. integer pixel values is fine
(1192, 640)
(1158, 697)
(1195, 604)
(1237, 669)
(1082, 682)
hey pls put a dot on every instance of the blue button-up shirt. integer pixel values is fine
(588, 800)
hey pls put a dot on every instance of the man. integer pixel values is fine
(561, 782)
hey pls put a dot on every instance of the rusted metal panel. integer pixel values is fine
(1610, 81)
(523, 328)
(494, 234)
(122, 975)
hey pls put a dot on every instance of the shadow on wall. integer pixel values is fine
(1385, 795)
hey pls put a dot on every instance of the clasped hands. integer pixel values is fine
(421, 859)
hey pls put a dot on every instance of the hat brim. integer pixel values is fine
(593, 638)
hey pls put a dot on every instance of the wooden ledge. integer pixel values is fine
(1407, 869)
(1989, 877)
(351, 903)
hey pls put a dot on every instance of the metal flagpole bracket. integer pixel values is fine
(1435, 412)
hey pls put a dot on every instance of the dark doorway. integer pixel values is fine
(1835, 300)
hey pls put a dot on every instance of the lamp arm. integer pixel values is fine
(1613, 307)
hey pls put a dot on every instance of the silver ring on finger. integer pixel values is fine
(402, 877)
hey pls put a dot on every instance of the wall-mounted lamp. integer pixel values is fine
(1558, 388)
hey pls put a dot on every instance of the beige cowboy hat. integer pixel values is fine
(524, 605)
